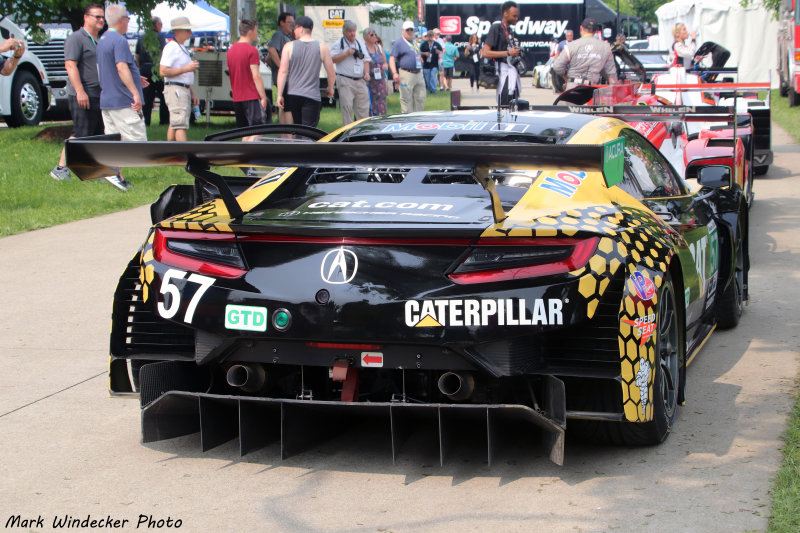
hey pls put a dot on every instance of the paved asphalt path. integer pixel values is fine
(69, 449)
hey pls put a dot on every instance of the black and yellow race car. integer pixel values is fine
(436, 269)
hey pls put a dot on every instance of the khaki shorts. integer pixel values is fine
(179, 103)
(127, 122)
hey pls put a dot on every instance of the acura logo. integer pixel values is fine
(339, 266)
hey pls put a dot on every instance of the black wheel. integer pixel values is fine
(748, 189)
(27, 104)
(731, 302)
(760, 171)
(784, 83)
(793, 97)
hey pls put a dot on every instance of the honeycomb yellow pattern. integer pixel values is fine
(146, 265)
(200, 219)
(630, 240)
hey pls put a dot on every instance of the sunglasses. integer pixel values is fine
(98, 17)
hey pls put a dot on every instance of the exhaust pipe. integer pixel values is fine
(457, 386)
(249, 378)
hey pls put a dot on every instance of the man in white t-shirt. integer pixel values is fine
(177, 68)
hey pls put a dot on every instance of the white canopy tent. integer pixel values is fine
(750, 34)
(202, 15)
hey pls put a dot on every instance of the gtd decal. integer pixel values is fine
(503, 312)
(646, 326)
(564, 183)
(246, 317)
(644, 286)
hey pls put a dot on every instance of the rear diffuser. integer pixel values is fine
(299, 424)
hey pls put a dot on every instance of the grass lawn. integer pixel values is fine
(31, 199)
(785, 516)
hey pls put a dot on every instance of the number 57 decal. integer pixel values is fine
(168, 287)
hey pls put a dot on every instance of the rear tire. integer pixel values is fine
(667, 383)
(793, 97)
(731, 303)
(760, 171)
(669, 350)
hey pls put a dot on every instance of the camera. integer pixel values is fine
(513, 42)
(358, 54)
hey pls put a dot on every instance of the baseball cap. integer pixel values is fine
(304, 22)
(408, 25)
(589, 23)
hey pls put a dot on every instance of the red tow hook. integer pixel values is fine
(348, 375)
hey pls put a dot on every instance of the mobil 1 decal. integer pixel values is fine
(566, 182)
(484, 312)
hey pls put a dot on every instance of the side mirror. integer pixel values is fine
(714, 176)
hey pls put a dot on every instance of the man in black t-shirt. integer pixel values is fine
(497, 46)
(156, 88)
(430, 51)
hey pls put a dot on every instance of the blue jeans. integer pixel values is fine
(431, 78)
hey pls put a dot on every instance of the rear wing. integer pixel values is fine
(92, 158)
(649, 113)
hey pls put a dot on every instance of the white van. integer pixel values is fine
(25, 94)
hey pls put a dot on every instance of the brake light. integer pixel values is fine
(214, 255)
(493, 260)
(344, 346)
(797, 55)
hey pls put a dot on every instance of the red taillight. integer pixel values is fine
(547, 257)
(204, 260)
(344, 346)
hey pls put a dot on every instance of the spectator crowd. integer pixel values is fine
(112, 91)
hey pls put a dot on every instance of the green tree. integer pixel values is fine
(36, 12)
(644, 9)
(773, 6)
(267, 12)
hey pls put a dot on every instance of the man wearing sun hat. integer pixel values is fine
(405, 65)
(177, 68)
